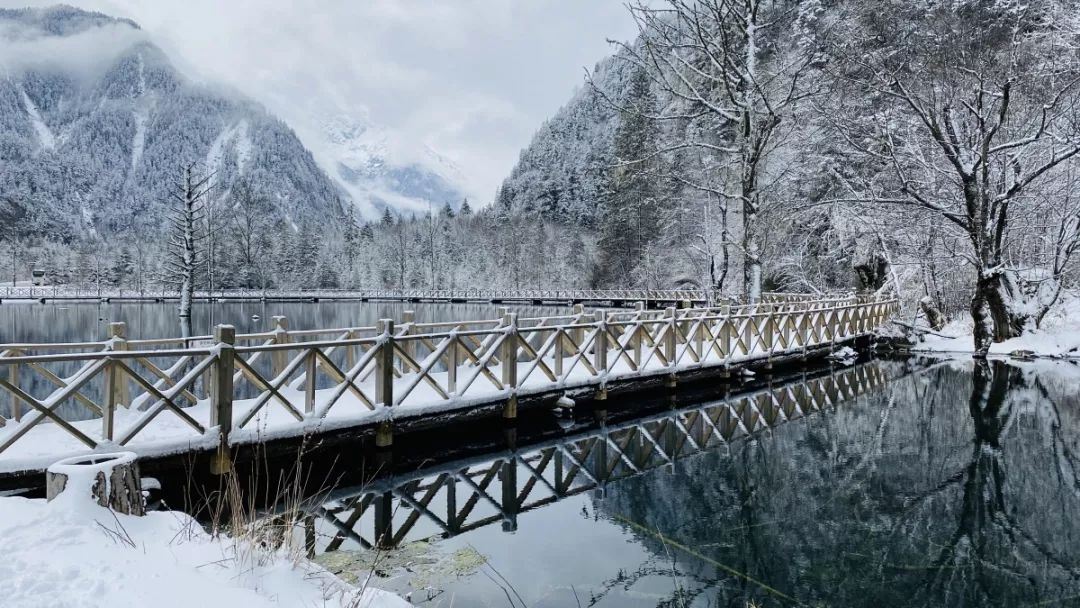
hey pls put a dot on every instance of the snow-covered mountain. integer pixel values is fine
(376, 167)
(95, 122)
(561, 174)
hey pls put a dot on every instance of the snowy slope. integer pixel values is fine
(375, 166)
(95, 122)
(71, 553)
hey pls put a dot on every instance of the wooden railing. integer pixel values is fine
(693, 296)
(162, 395)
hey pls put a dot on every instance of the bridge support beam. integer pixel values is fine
(384, 434)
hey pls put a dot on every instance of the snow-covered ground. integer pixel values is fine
(72, 553)
(1059, 335)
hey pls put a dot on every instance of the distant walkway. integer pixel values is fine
(164, 396)
(653, 298)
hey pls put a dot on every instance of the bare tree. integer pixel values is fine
(186, 243)
(250, 222)
(975, 114)
(732, 69)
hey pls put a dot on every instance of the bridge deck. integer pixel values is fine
(165, 396)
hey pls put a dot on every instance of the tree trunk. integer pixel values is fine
(751, 266)
(934, 316)
(998, 310)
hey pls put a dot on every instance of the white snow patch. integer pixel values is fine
(45, 135)
(140, 87)
(87, 215)
(235, 136)
(243, 146)
(1059, 335)
(138, 144)
(71, 552)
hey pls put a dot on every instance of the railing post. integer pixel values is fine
(13, 379)
(560, 352)
(670, 346)
(725, 332)
(310, 376)
(671, 339)
(280, 358)
(600, 353)
(118, 342)
(453, 360)
(221, 395)
(579, 316)
(768, 333)
(384, 363)
(408, 319)
(748, 342)
(350, 352)
(509, 364)
(635, 335)
(384, 379)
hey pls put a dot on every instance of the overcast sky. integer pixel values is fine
(472, 79)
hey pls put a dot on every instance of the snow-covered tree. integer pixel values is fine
(187, 238)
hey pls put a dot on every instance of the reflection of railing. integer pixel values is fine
(238, 389)
(693, 296)
(457, 497)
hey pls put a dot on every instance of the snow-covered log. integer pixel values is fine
(110, 480)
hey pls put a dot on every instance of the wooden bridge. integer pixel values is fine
(451, 498)
(163, 396)
(616, 297)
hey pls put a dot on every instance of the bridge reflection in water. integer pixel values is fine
(457, 497)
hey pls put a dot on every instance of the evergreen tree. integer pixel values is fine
(630, 203)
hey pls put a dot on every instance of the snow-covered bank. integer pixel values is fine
(74, 553)
(1059, 335)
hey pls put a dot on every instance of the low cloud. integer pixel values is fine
(85, 54)
(471, 79)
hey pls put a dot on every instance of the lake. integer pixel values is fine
(887, 484)
(89, 321)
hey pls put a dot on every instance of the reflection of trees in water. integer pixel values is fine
(957, 486)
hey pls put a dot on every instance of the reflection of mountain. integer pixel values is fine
(950, 487)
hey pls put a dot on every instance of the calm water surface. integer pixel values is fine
(88, 321)
(954, 485)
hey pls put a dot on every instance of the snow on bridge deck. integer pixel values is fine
(166, 396)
